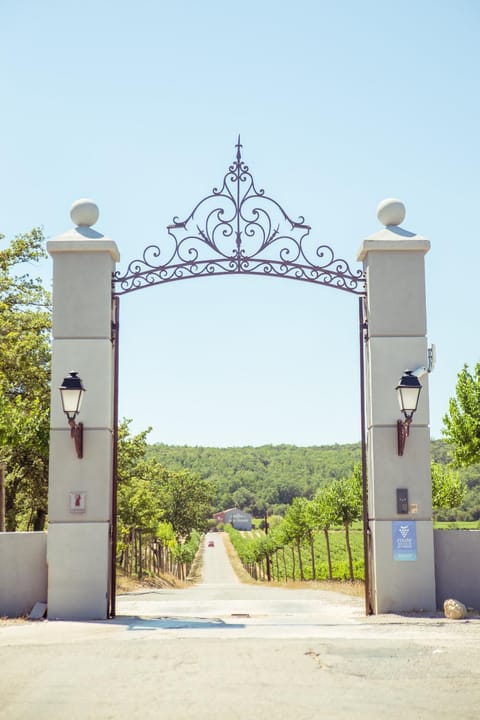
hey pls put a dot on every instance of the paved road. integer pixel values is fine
(223, 605)
(223, 649)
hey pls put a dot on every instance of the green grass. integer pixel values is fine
(473, 525)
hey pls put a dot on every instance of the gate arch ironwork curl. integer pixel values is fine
(238, 229)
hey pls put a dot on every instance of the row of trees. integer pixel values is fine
(338, 504)
(147, 553)
(161, 512)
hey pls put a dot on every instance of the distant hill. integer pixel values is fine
(253, 478)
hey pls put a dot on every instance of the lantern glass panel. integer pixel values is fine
(71, 400)
(408, 399)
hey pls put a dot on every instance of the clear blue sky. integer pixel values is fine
(339, 104)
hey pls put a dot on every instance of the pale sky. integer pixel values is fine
(339, 105)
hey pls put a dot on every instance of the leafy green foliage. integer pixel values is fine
(296, 524)
(186, 501)
(462, 422)
(321, 510)
(346, 498)
(151, 497)
(462, 432)
(185, 552)
(137, 499)
(448, 489)
(25, 321)
(253, 478)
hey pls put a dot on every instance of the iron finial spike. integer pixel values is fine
(238, 146)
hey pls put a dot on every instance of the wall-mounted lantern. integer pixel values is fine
(71, 391)
(408, 392)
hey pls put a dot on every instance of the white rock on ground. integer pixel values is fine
(454, 609)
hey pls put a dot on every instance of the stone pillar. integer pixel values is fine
(80, 490)
(402, 560)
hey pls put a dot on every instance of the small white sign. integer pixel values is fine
(78, 501)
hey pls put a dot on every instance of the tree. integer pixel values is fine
(25, 321)
(347, 504)
(137, 500)
(150, 497)
(322, 516)
(297, 527)
(462, 422)
(448, 490)
(243, 498)
(186, 500)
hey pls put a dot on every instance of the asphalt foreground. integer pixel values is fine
(222, 649)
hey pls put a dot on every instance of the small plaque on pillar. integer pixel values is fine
(78, 502)
(404, 536)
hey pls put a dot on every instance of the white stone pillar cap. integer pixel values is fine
(84, 212)
(393, 238)
(83, 238)
(391, 211)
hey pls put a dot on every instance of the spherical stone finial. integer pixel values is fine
(84, 212)
(391, 211)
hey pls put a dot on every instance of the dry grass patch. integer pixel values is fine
(14, 621)
(127, 583)
(354, 589)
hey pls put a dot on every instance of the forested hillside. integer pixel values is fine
(254, 478)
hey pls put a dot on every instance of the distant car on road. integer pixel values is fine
(211, 543)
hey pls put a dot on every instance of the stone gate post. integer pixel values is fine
(80, 490)
(401, 555)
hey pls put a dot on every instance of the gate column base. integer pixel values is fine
(403, 585)
(78, 571)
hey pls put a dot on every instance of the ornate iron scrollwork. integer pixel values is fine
(237, 229)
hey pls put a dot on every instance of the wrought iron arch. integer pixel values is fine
(237, 229)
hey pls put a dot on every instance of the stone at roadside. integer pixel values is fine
(454, 610)
(38, 612)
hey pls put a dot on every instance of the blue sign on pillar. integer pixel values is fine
(404, 536)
